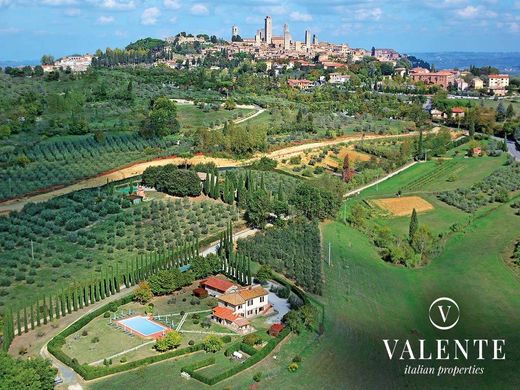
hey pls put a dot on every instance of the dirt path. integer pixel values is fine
(138, 169)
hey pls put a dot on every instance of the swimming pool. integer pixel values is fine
(144, 326)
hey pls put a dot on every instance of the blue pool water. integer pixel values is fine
(142, 325)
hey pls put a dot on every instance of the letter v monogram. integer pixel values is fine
(444, 316)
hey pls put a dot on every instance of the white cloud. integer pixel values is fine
(199, 9)
(149, 16)
(72, 12)
(173, 19)
(105, 19)
(517, 4)
(297, 16)
(4, 3)
(119, 5)
(468, 12)
(514, 27)
(9, 30)
(368, 13)
(172, 4)
(58, 2)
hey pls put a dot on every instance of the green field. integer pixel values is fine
(193, 118)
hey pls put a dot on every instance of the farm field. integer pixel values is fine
(431, 176)
(61, 160)
(440, 219)
(107, 231)
(403, 205)
(324, 159)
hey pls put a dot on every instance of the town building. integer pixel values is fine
(437, 115)
(307, 39)
(74, 63)
(338, 78)
(498, 83)
(477, 83)
(457, 113)
(286, 37)
(234, 32)
(268, 30)
(444, 79)
(301, 84)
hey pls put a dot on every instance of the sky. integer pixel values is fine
(31, 28)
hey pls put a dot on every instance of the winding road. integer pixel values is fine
(138, 168)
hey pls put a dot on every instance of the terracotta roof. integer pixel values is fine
(293, 82)
(233, 299)
(241, 322)
(498, 76)
(277, 327)
(252, 292)
(224, 313)
(227, 314)
(457, 110)
(217, 283)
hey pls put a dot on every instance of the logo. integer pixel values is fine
(444, 313)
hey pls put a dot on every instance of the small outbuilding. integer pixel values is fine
(200, 292)
(275, 329)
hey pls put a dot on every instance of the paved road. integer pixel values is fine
(511, 148)
(513, 151)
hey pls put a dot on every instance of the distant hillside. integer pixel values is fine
(506, 62)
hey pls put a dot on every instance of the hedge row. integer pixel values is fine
(92, 372)
(191, 369)
(248, 349)
(255, 358)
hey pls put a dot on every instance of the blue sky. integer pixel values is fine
(30, 28)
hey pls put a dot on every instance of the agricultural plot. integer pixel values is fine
(50, 245)
(63, 161)
(193, 118)
(325, 159)
(403, 205)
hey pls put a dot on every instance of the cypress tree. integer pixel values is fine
(414, 225)
(38, 317)
(420, 147)
(249, 278)
(44, 310)
(18, 323)
(81, 296)
(280, 195)
(25, 323)
(33, 317)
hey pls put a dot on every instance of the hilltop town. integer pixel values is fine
(279, 55)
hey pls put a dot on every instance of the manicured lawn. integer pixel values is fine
(111, 341)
